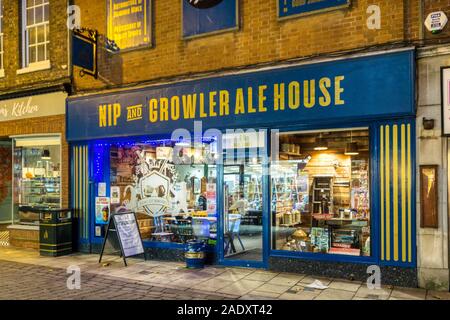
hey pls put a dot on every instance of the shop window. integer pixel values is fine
(169, 185)
(35, 32)
(320, 193)
(37, 177)
(1, 36)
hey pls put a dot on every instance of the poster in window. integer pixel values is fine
(290, 8)
(102, 210)
(208, 16)
(129, 23)
(429, 196)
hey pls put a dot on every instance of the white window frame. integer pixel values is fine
(38, 65)
(2, 53)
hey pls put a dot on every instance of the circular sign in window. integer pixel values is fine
(204, 4)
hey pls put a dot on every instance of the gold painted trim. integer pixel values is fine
(56, 245)
(58, 250)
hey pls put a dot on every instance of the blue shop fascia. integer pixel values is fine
(305, 167)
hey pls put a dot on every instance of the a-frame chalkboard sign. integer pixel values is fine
(124, 236)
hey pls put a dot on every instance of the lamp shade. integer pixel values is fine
(351, 149)
(46, 155)
(321, 144)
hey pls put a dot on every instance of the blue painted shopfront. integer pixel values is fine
(375, 91)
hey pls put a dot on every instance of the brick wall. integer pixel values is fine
(261, 38)
(44, 125)
(59, 71)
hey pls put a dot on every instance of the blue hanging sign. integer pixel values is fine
(352, 90)
(129, 23)
(288, 8)
(208, 16)
(84, 51)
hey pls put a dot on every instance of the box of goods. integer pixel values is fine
(288, 218)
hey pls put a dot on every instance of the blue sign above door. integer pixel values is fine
(288, 8)
(358, 89)
(208, 16)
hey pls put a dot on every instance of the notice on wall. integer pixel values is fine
(102, 189)
(129, 23)
(289, 8)
(446, 101)
(102, 210)
(129, 236)
(115, 195)
(206, 16)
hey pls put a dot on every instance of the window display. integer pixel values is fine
(37, 176)
(174, 201)
(320, 193)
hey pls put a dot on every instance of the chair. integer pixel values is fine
(234, 222)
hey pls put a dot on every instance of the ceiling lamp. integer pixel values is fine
(46, 155)
(352, 147)
(321, 144)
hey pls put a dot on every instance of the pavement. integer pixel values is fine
(27, 276)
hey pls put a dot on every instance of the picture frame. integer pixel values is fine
(429, 196)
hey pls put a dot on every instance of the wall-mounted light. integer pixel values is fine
(428, 124)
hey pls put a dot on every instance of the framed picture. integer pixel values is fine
(294, 8)
(429, 196)
(129, 23)
(205, 17)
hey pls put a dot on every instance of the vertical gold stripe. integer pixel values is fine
(403, 182)
(85, 191)
(395, 187)
(388, 194)
(410, 222)
(75, 196)
(382, 213)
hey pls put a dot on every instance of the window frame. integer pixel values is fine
(2, 51)
(374, 254)
(28, 66)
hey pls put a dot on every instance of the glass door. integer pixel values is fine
(243, 212)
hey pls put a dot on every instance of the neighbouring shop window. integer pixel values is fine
(1, 35)
(5, 181)
(37, 177)
(35, 31)
(320, 193)
(175, 201)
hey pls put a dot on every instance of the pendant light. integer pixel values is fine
(46, 155)
(352, 147)
(321, 144)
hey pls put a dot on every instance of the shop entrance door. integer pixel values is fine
(243, 214)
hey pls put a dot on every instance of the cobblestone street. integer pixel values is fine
(26, 275)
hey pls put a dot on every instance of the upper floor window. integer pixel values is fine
(35, 32)
(1, 36)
